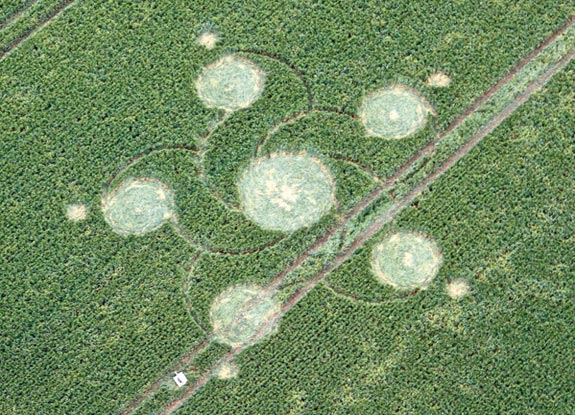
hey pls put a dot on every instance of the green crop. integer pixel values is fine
(94, 94)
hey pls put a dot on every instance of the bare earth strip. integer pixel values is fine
(16, 15)
(406, 200)
(13, 45)
(183, 362)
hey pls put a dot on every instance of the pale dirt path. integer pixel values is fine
(16, 15)
(5, 51)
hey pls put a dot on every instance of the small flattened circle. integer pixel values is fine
(243, 314)
(286, 192)
(231, 83)
(406, 260)
(394, 112)
(138, 206)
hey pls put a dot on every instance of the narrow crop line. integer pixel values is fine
(16, 14)
(291, 119)
(182, 232)
(203, 141)
(359, 299)
(337, 111)
(363, 167)
(291, 66)
(138, 157)
(8, 49)
(390, 214)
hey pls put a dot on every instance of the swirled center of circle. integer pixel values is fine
(138, 206)
(243, 315)
(406, 260)
(394, 112)
(286, 192)
(230, 83)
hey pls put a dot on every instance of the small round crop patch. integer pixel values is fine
(227, 370)
(394, 112)
(230, 83)
(76, 212)
(406, 260)
(286, 192)
(457, 288)
(439, 80)
(138, 206)
(208, 39)
(241, 315)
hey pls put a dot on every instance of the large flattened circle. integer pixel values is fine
(406, 260)
(231, 83)
(394, 112)
(286, 192)
(243, 314)
(138, 206)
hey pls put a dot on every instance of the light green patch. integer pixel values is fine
(242, 315)
(439, 80)
(448, 317)
(231, 83)
(394, 112)
(406, 260)
(76, 212)
(286, 192)
(227, 370)
(138, 206)
(457, 288)
(208, 39)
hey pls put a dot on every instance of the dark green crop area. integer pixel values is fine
(106, 92)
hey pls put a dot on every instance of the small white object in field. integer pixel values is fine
(180, 379)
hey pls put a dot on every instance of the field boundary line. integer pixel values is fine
(397, 207)
(57, 11)
(16, 15)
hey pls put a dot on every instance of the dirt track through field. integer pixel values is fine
(16, 15)
(6, 50)
(399, 205)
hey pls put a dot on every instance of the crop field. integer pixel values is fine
(305, 207)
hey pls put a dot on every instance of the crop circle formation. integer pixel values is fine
(138, 206)
(231, 83)
(242, 315)
(286, 192)
(394, 112)
(406, 260)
